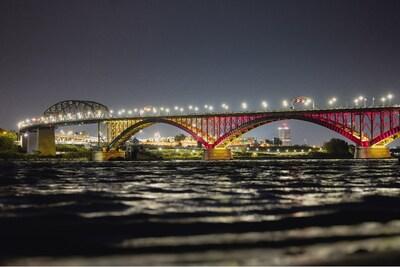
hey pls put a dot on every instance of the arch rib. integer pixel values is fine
(131, 130)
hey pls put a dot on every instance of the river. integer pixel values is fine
(195, 212)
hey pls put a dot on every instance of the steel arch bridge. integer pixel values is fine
(365, 127)
(373, 127)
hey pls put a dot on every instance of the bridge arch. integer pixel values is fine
(387, 137)
(136, 127)
(228, 137)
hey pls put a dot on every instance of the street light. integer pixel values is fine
(383, 100)
(332, 101)
(390, 97)
(285, 103)
(264, 104)
(244, 105)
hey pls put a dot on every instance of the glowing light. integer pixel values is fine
(264, 104)
(244, 105)
(285, 103)
(225, 106)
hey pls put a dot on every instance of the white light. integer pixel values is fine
(244, 105)
(264, 104)
(111, 111)
(181, 109)
(190, 107)
(167, 110)
(135, 110)
(285, 103)
(26, 135)
(129, 111)
(205, 106)
(383, 99)
(210, 107)
(389, 96)
(360, 98)
(196, 108)
(176, 107)
(162, 108)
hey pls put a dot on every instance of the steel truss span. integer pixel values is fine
(75, 107)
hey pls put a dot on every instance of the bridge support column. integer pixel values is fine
(372, 153)
(217, 154)
(40, 141)
(108, 155)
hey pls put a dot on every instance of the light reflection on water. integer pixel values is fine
(198, 212)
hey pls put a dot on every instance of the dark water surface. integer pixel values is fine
(236, 212)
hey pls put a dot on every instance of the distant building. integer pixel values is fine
(277, 141)
(284, 135)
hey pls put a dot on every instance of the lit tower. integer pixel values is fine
(284, 135)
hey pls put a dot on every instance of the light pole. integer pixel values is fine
(383, 100)
(264, 104)
(390, 97)
(332, 101)
(356, 102)
(285, 103)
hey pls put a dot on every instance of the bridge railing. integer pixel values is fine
(97, 116)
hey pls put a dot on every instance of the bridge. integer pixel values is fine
(371, 129)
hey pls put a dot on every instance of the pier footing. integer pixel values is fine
(372, 153)
(107, 155)
(40, 141)
(217, 154)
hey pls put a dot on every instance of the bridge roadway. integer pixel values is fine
(371, 129)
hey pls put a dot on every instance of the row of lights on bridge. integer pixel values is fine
(359, 102)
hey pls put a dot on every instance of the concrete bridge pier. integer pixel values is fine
(372, 153)
(217, 154)
(41, 141)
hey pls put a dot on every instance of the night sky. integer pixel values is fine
(135, 53)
